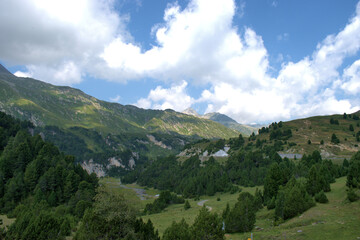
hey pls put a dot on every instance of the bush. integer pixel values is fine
(334, 139)
(321, 197)
(187, 205)
(271, 204)
(351, 195)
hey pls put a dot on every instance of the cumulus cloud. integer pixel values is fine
(23, 74)
(191, 43)
(304, 88)
(51, 37)
(351, 78)
(61, 41)
(174, 97)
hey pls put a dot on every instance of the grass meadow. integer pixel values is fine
(336, 220)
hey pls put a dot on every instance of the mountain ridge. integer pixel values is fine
(224, 120)
(99, 131)
(89, 112)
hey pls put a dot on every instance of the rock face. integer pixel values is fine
(101, 169)
(92, 167)
(192, 112)
(158, 143)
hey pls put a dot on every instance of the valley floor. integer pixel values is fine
(336, 220)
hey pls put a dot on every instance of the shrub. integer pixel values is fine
(187, 205)
(351, 195)
(321, 197)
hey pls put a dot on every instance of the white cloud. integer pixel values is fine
(23, 74)
(196, 43)
(351, 78)
(174, 97)
(305, 88)
(48, 36)
(66, 73)
(117, 98)
(60, 41)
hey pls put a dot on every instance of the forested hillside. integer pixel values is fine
(287, 187)
(49, 194)
(40, 186)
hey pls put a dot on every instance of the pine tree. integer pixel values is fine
(273, 180)
(321, 197)
(334, 139)
(207, 226)
(292, 200)
(177, 231)
(187, 205)
(242, 217)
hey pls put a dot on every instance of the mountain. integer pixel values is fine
(191, 111)
(96, 126)
(230, 123)
(224, 120)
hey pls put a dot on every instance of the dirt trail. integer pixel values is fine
(202, 202)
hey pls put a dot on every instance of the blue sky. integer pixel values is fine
(256, 61)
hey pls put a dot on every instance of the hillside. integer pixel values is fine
(315, 133)
(100, 130)
(46, 104)
(336, 220)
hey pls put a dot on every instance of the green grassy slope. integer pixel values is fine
(319, 128)
(93, 129)
(46, 104)
(335, 220)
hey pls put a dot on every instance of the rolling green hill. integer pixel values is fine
(315, 133)
(100, 130)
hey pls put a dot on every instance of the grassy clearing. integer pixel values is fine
(6, 221)
(336, 220)
(130, 193)
(176, 212)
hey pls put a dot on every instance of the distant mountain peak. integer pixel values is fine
(219, 117)
(191, 111)
(4, 70)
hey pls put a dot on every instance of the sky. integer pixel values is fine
(257, 61)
